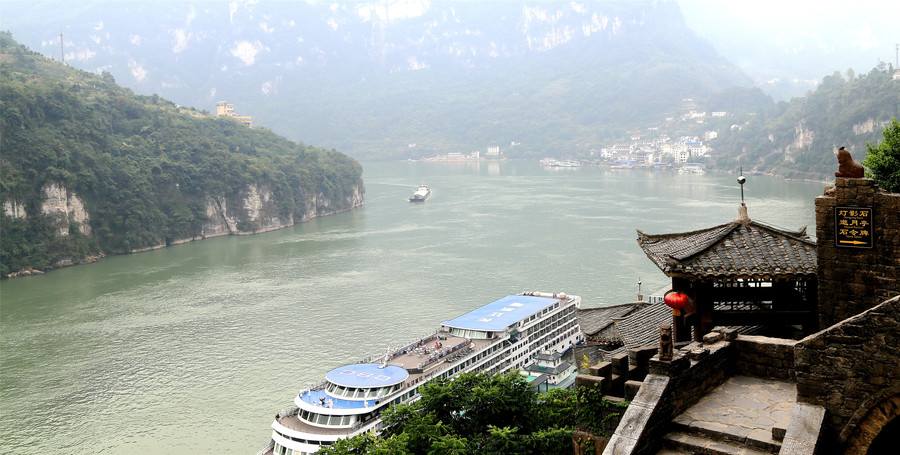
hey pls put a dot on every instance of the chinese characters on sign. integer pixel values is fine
(853, 227)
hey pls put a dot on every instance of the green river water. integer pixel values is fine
(194, 348)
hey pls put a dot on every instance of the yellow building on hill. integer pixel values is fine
(223, 108)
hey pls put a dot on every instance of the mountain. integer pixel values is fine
(799, 139)
(89, 168)
(373, 78)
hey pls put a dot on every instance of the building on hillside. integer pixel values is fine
(493, 150)
(643, 156)
(696, 149)
(223, 108)
(681, 154)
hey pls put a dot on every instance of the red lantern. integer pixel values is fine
(676, 300)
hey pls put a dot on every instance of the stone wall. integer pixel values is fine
(852, 280)
(765, 357)
(671, 388)
(851, 368)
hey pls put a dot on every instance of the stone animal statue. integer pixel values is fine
(847, 167)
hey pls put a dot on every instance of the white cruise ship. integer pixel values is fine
(507, 334)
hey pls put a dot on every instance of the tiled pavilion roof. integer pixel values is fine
(740, 249)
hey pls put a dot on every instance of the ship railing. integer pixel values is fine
(289, 412)
(439, 354)
(316, 387)
(270, 447)
(424, 341)
(363, 423)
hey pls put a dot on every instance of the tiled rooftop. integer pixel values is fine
(734, 250)
(593, 320)
(642, 327)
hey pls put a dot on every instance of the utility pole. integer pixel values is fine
(62, 51)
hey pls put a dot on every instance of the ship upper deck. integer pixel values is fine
(500, 314)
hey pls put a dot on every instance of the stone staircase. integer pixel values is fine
(743, 416)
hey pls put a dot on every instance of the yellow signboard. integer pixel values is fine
(853, 227)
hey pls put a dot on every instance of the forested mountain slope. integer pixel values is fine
(89, 168)
(799, 139)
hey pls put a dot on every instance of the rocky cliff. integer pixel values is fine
(254, 211)
(65, 209)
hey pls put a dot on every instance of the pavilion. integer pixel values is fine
(742, 273)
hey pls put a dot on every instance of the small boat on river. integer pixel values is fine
(421, 194)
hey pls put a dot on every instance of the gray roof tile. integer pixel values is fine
(642, 327)
(733, 250)
(593, 320)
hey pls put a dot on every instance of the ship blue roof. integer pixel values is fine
(367, 375)
(502, 313)
(322, 399)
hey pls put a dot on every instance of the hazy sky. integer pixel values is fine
(830, 35)
(766, 38)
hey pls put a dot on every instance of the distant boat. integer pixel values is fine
(422, 193)
(691, 169)
(550, 162)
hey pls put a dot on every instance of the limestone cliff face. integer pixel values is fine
(319, 205)
(65, 208)
(865, 127)
(803, 137)
(255, 210)
(14, 209)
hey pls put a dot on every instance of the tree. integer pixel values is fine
(480, 413)
(883, 160)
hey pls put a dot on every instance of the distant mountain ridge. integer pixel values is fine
(371, 78)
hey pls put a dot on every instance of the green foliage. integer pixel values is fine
(480, 413)
(798, 139)
(883, 160)
(143, 167)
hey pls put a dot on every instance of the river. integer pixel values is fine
(194, 348)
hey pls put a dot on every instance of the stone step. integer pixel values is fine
(695, 444)
(756, 438)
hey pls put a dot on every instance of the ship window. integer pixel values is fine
(322, 419)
